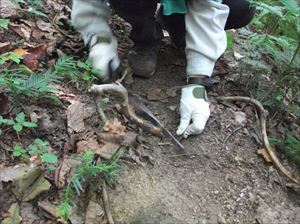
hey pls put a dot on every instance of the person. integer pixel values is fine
(197, 25)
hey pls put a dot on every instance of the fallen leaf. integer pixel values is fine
(51, 210)
(27, 180)
(114, 126)
(172, 92)
(94, 213)
(37, 187)
(65, 171)
(157, 95)
(21, 52)
(5, 47)
(22, 30)
(75, 117)
(70, 145)
(264, 153)
(3, 104)
(32, 60)
(84, 145)
(21, 171)
(13, 215)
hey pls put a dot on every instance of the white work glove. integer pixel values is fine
(103, 55)
(195, 108)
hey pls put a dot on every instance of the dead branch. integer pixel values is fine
(106, 204)
(263, 121)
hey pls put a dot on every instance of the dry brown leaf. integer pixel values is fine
(107, 150)
(22, 30)
(65, 171)
(4, 47)
(21, 52)
(157, 95)
(114, 126)
(75, 116)
(264, 153)
(84, 145)
(172, 92)
(32, 60)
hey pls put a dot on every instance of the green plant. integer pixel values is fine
(31, 6)
(290, 146)
(77, 71)
(272, 53)
(10, 56)
(23, 82)
(85, 174)
(18, 124)
(40, 148)
(4, 23)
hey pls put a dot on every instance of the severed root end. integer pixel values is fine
(113, 89)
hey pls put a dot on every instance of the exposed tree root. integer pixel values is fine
(106, 204)
(263, 121)
(128, 108)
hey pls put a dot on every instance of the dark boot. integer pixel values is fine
(142, 60)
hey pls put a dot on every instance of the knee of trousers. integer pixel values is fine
(240, 15)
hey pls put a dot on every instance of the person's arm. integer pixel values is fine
(205, 42)
(90, 18)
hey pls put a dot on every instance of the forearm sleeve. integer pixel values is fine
(91, 17)
(205, 35)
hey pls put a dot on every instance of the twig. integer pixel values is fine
(232, 133)
(263, 121)
(106, 204)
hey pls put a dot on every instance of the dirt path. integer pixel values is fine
(218, 183)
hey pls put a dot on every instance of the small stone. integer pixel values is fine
(240, 117)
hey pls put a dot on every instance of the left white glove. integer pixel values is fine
(195, 108)
(104, 56)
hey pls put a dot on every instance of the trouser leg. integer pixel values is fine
(240, 14)
(140, 14)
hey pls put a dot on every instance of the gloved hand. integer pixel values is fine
(103, 55)
(195, 108)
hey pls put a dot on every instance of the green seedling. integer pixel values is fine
(39, 147)
(4, 23)
(18, 124)
(85, 175)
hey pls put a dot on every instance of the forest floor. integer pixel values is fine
(220, 178)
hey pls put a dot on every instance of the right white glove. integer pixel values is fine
(104, 56)
(195, 108)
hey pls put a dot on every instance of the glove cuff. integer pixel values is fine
(200, 80)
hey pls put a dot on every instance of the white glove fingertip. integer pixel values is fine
(184, 123)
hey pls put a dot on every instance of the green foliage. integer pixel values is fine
(18, 124)
(39, 147)
(290, 146)
(85, 175)
(273, 53)
(4, 23)
(31, 6)
(10, 56)
(76, 71)
(23, 82)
